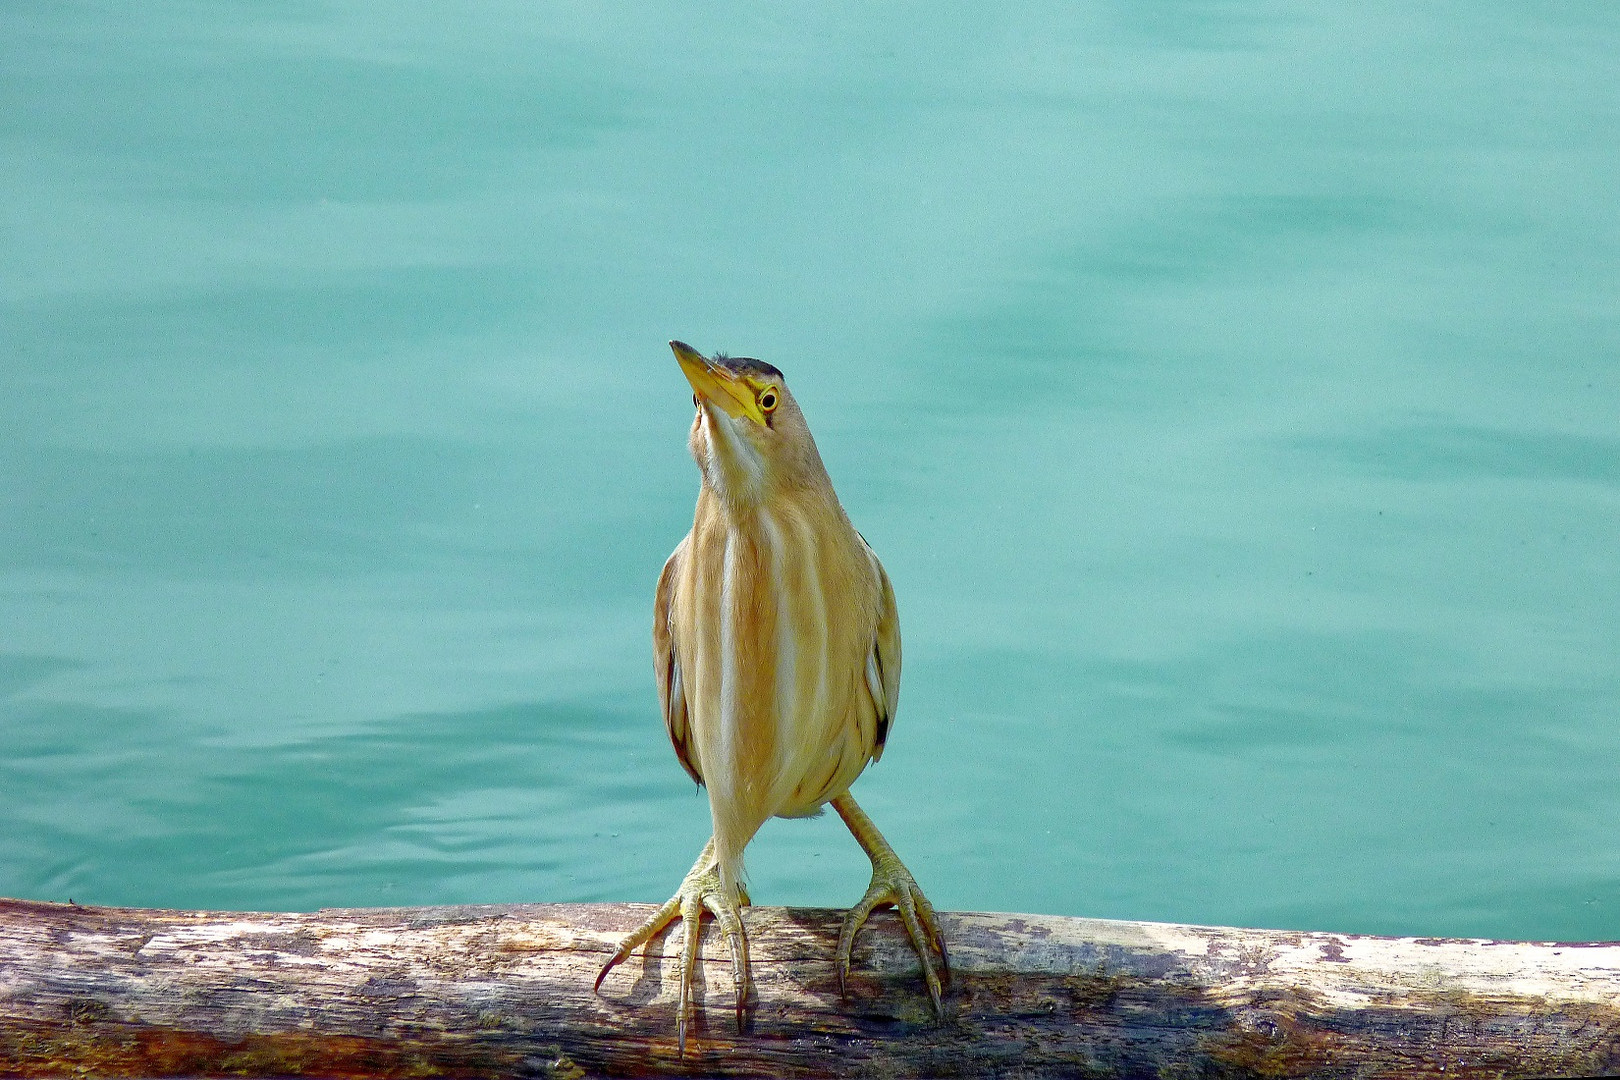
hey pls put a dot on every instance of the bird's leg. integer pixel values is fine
(699, 890)
(892, 884)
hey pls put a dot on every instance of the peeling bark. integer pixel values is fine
(506, 991)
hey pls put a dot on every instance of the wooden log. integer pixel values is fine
(506, 991)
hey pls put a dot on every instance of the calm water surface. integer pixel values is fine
(1231, 389)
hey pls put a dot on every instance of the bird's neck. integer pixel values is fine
(759, 519)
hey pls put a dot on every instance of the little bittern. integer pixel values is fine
(777, 652)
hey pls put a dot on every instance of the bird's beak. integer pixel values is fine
(716, 384)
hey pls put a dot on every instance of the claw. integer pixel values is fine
(700, 891)
(893, 885)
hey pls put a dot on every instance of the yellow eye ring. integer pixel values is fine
(768, 400)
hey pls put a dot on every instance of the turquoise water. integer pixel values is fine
(1232, 391)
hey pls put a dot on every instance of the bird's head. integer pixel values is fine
(749, 437)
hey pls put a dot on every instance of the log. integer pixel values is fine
(505, 990)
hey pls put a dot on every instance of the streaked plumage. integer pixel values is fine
(779, 738)
(776, 646)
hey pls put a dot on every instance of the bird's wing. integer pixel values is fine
(883, 663)
(667, 666)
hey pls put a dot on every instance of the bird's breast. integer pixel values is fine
(779, 612)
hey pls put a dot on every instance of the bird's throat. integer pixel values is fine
(732, 465)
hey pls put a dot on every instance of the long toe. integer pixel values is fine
(729, 918)
(639, 937)
(923, 936)
(854, 919)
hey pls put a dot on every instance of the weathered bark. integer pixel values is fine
(506, 990)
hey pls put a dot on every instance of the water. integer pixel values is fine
(1231, 390)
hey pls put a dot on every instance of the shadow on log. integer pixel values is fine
(506, 991)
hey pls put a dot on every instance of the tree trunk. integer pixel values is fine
(506, 990)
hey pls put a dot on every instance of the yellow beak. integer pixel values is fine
(714, 383)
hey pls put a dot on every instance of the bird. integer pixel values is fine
(776, 651)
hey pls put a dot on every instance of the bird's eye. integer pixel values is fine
(767, 400)
(695, 401)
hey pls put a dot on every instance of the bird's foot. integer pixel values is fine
(699, 891)
(893, 884)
